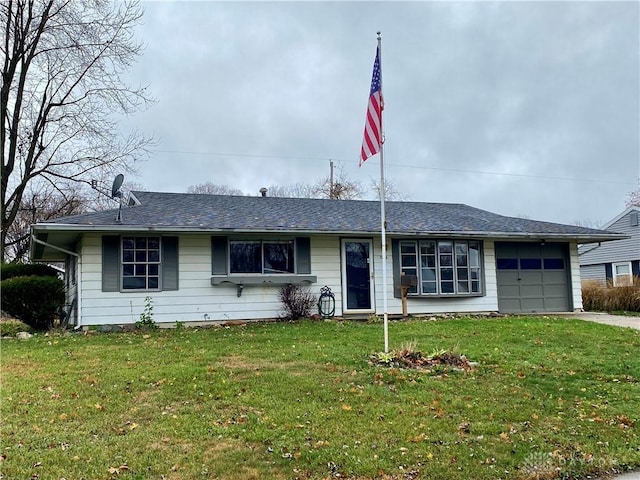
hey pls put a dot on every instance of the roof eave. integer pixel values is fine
(581, 238)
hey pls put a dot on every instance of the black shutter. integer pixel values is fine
(395, 259)
(635, 268)
(169, 263)
(608, 269)
(303, 255)
(110, 263)
(219, 256)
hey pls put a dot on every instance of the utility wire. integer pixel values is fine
(388, 164)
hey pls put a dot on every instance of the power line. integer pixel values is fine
(399, 165)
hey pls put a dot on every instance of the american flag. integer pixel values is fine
(373, 126)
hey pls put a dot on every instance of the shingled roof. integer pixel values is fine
(181, 212)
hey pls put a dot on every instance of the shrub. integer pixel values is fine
(296, 301)
(12, 270)
(10, 326)
(35, 300)
(606, 298)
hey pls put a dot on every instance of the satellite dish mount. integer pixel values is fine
(117, 193)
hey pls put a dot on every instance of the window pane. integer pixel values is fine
(463, 287)
(553, 263)
(427, 248)
(406, 247)
(141, 270)
(531, 263)
(445, 247)
(141, 255)
(474, 254)
(446, 260)
(127, 255)
(127, 242)
(278, 257)
(507, 263)
(409, 261)
(245, 257)
(463, 274)
(154, 243)
(153, 282)
(133, 283)
(622, 269)
(429, 287)
(461, 260)
(154, 255)
(446, 273)
(128, 270)
(428, 274)
(153, 270)
(447, 287)
(475, 286)
(141, 243)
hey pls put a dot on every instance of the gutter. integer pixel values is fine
(579, 237)
(78, 273)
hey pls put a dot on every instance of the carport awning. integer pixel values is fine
(52, 246)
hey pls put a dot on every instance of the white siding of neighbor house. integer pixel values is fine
(618, 250)
(197, 300)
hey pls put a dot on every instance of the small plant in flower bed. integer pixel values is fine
(408, 356)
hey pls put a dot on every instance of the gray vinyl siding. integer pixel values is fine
(593, 272)
(618, 250)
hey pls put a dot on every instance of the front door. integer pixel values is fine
(357, 270)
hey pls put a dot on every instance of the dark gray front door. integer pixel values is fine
(532, 277)
(356, 275)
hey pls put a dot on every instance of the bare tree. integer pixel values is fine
(209, 188)
(633, 198)
(390, 191)
(297, 190)
(61, 86)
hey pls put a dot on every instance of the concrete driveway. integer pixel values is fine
(616, 320)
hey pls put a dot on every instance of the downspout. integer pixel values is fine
(78, 273)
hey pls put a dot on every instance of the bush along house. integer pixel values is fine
(213, 258)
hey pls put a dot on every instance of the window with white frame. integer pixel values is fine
(442, 267)
(621, 274)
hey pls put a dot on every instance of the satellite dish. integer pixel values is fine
(117, 183)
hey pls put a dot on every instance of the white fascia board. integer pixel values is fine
(580, 238)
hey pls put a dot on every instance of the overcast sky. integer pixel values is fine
(520, 108)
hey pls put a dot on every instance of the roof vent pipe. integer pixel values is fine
(263, 192)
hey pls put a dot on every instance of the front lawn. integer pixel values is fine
(550, 398)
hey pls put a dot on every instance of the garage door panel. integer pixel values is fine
(531, 277)
(533, 304)
(531, 291)
(539, 283)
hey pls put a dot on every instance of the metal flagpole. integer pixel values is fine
(383, 216)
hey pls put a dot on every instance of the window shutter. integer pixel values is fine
(633, 216)
(110, 263)
(395, 260)
(608, 269)
(303, 255)
(219, 256)
(169, 263)
(635, 268)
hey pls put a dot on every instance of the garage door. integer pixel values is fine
(532, 277)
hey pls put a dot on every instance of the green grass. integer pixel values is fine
(551, 398)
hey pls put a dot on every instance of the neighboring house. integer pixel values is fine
(614, 262)
(219, 258)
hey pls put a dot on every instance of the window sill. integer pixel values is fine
(241, 280)
(445, 295)
(262, 279)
